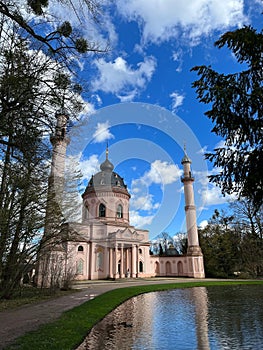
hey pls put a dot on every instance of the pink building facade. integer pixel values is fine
(105, 245)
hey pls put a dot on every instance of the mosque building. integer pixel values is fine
(104, 245)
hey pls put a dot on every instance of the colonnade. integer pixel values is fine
(123, 260)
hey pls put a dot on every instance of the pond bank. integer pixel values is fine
(28, 318)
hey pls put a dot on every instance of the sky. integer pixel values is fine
(141, 103)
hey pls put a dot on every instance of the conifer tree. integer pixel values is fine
(236, 102)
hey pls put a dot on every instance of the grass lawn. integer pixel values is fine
(71, 328)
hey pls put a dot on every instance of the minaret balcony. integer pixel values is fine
(187, 178)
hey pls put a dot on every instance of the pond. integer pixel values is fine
(213, 318)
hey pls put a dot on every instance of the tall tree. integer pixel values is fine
(37, 51)
(236, 110)
(30, 93)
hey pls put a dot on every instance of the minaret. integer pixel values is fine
(51, 260)
(59, 142)
(194, 250)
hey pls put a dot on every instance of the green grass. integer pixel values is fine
(71, 328)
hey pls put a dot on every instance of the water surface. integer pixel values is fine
(213, 318)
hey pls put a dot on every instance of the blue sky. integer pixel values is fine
(141, 102)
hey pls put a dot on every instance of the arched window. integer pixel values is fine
(80, 248)
(86, 211)
(140, 251)
(140, 266)
(119, 213)
(80, 264)
(102, 211)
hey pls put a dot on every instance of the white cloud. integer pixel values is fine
(221, 144)
(177, 100)
(140, 221)
(119, 78)
(203, 224)
(162, 172)
(89, 167)
(102, 132)
(163, 20)
(145, 203)
(210, 193)
(202, 150)
(213, 196)
(178, 57)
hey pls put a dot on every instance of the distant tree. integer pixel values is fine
(233, 242)
(248, 217)
(236, 109)
(220, 243)
(160, 249)
(249, 222)
(180, 242)
(166, 240)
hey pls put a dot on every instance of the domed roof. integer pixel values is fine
(106, 166)
(106, 179)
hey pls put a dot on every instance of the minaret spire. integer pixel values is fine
(107, 151)
(194, 251)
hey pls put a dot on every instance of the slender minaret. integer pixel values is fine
(194, 252)
(51, 253)
(59, 142)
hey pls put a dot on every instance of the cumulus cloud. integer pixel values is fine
(162, 172)
(102, 132)
(164, 20)
(210, 193)
(89, 167)
(177, 100)
(145, 203)
(138, 220)
(213, 196)
(119, 78)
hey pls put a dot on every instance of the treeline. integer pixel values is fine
(232, 242)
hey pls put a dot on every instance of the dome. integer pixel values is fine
(106, 179)
(106, 166)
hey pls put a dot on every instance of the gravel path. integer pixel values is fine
(16, 322)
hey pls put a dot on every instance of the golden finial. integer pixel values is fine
(107, 151)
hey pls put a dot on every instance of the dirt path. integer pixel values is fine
(16, 322)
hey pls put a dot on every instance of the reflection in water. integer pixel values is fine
(199, 296)
(214, 318)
